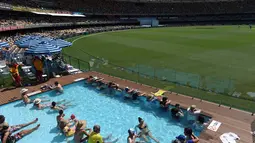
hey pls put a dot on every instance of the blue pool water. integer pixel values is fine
(114, 114)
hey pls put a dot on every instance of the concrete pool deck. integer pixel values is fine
(232, 120)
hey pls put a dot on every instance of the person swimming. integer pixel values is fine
(179, 139)
(24, 96)
(62, 106)
(176, 112)
(58, 87)
(95, 137)
(38, 105)
(200, 123)
(192, 114)
(26, 99)
(80, 131)
(6, 131)
(60, 116)
(164, 103)
(132, 136)
(144, 130)
(190, 137)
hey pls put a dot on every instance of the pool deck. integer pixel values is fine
(233, 120)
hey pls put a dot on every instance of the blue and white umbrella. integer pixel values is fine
(60, 43)
(4, 44)
(27, 39)
(28, 43)
(43, 48)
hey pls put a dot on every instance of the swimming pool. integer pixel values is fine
(114, 114)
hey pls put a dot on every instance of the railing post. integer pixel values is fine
(88, 65)
(70, 60)
(79, 64)
(137, 80)
(154, 73)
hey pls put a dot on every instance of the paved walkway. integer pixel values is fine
(233, 120)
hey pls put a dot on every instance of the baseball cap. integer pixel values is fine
(181, 137)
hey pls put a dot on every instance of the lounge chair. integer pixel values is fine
(159, 93)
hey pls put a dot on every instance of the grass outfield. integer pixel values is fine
(225, 52)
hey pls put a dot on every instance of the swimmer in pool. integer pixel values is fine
(200, 123)
(132, 137)
(177, 112)
(144, 130)
(63, 106)
(25, 97)
(80, 131)
(89, 79)
(95, 137)
(7, 130)
(190, 137)
(164, 103)
(192, 114)
(60, 116)
(58, 87)
(39, 106)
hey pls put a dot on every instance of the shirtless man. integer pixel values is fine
(58, 87)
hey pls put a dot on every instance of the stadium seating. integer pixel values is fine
(147, 7)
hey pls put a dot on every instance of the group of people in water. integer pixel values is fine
(193, 116)
(77, 128)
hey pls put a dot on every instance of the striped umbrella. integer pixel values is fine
(43, 48)
(60, 43)
(4, 44)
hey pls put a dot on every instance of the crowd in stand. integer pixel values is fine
(8, 18)
(60, 34)
(152, 7)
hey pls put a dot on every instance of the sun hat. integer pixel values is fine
(3, 125)
(193, 106)
(126, 88)
(23, 90)
(81, 124)
(95, 78)
(131, 130)
(37, 101)
(181, 138)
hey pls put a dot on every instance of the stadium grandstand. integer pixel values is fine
(177, 71)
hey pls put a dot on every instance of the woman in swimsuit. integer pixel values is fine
(145, 132)
(8, 130)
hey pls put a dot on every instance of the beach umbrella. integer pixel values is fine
(28, 43)
(60, 43)
(4, 44)
(43, 48)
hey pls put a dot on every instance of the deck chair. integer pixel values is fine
(159, 93)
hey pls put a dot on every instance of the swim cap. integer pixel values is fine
(72, 116)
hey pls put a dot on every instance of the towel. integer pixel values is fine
(229, 137)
